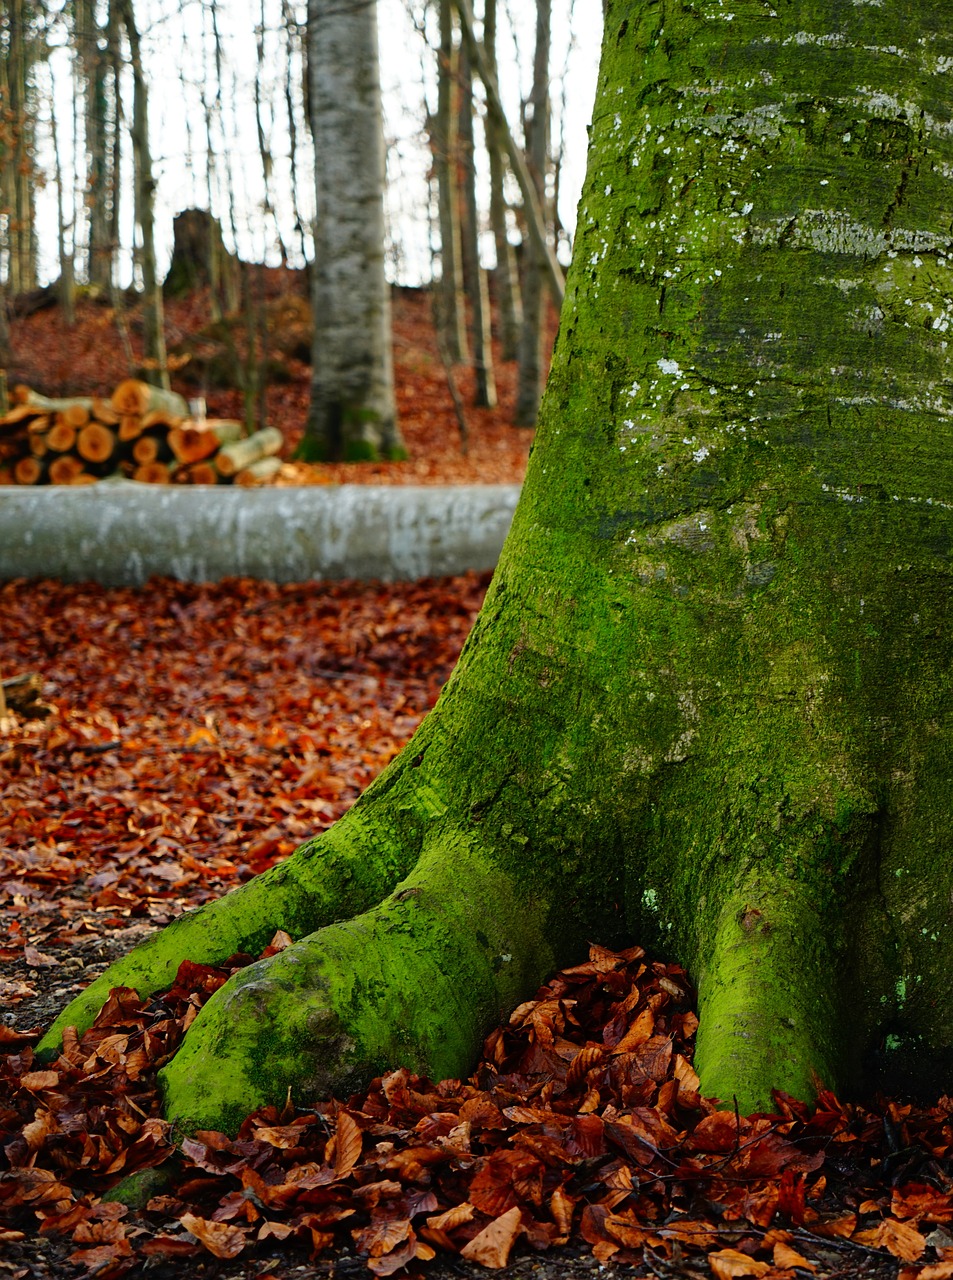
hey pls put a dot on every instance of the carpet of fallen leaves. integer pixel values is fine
(88, 359)
(236, 719)
(583, 1117)
(196, 734)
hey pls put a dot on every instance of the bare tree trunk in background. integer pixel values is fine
(157, 370)
(473, 272)
(100, 181)
(560, 117)
(231, 282)
(353, 412)
(17, 177)
(113, 30)
(264, 144)
(537, 148)
(5, 351)
(64, 230)
(532, 206)
(506, 276)
(293, 47)
(452, 309)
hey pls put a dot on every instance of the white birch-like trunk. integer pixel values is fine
(353, 412)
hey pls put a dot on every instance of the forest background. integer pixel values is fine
(120, 119)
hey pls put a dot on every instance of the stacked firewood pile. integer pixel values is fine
(141, 433)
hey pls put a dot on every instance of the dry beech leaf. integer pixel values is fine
(786, 1257)
(491, 1248)
(280, 942)
(219, 1238)
(561, 1206)
(348, 1145)
(37, 1080)
(686, 1075)
(381, 1237)
(275, 1231)
(937, 1271)
(728, 1263)
(640, 1030)
(841, 1227)
(903, 1241)
(455, 1217)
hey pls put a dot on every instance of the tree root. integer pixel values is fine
(418, 981)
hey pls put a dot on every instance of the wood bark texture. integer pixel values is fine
(353, 411)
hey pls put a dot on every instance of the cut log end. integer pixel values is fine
(96, 443)
(28, 470)
(66, 469)
(153, 473)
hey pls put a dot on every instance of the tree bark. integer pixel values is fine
(100, 181)
(353, 412)
(530, 383)
(153, 319)
(532, 210)
(506, 277)
(473, 271)
(17, 172)
(707, 702)
(451, 313)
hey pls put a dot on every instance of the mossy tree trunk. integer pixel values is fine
(353, 414)
(707, 703)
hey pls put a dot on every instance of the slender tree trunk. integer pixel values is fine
(264, 144)
(116, 168)
(18, 173)
(231, 280)
(353, 412)
(65, 232)
(707, 702)
(292, 105)
(473, 272)
(530, 384)
(506, 276)
(532, 211)
(157, 369)
(100, 191)
(5, 349)
(452, 316)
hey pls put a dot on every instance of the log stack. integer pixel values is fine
(141, 433)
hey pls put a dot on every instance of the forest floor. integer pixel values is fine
(88, 358)
(195, 736)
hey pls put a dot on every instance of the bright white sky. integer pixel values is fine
(173, 44)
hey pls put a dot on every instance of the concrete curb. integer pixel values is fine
(121, 535)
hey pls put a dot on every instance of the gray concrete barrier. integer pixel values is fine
(123, 534)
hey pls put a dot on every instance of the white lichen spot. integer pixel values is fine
(670, 367)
